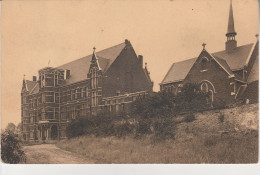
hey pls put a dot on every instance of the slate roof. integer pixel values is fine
(236, 59)
(233, 60)
(80, 67)
(254, 73)
(179, 71)
(30, 85)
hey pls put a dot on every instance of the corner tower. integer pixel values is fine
(231, 42)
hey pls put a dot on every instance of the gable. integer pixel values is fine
(125, 75)
(207, 59)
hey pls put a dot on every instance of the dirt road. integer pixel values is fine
(51, 154)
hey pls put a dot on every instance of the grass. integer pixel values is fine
(226, 136)
(228, 148)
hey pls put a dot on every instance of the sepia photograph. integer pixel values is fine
(129, 82)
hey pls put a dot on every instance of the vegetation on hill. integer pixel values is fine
(153, 115)
(218, 136)
(10, 148)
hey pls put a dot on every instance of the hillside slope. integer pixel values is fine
(226, 136)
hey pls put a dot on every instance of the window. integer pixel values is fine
(79, 90)
(203, 64)
(56, 97)
(84, 92)
(233, 90)
(68, 95)
(94, 78)
(63, 113)
(73, 94)
(49, 97)
(204, 87)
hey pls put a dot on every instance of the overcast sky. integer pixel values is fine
(34, 32)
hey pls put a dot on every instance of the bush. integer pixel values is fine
(166, 104)
(164, 128)
(221, 117)
(10, 148)
(159, 104)
(189, 118)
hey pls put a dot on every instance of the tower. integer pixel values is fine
(231, 42)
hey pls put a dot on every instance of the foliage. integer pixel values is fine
(10, 148)
(164, 128)
(221, 117)
(165, 104)
(11, 127)
(159, 104)
(189, 118)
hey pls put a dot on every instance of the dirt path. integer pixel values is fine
(51, 154)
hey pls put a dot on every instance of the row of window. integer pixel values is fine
(46, 97)
(74, 94)
(73, 112)
(51, 79)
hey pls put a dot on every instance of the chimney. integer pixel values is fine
(34, 78)
(140, 60)
(66, 74)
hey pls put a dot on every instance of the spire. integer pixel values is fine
(94, 57)
(231, 42)
(231, 26)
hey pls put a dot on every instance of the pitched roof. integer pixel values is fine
(80, 67)
(30, 85)
(224, 64)
(179, 70)
(230, 61)
(236, 59)
(254, 73)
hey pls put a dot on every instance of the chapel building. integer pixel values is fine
(226, 75)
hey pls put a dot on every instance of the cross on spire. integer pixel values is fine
(204, 45)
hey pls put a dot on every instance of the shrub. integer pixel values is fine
(158, 104)
(221, 117)
(166, 104)
(189, 118)
(164, 128)
(210, 141)
(10, 148)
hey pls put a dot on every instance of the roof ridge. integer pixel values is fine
(236, 47)
(90, 55)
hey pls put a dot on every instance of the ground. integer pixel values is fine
(217, 136)
(51, 154)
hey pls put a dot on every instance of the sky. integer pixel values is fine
(166, 31)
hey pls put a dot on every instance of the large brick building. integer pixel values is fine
(226, 75)
(109, 79)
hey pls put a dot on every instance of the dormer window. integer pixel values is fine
(203, 64)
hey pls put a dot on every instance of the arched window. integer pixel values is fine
(203, 64)
(204, 87)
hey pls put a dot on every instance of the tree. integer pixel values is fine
(11, 127)
(10, 148)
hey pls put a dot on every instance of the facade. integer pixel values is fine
(226, 75)
(106, 80)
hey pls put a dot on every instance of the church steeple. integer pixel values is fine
(231, 42)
